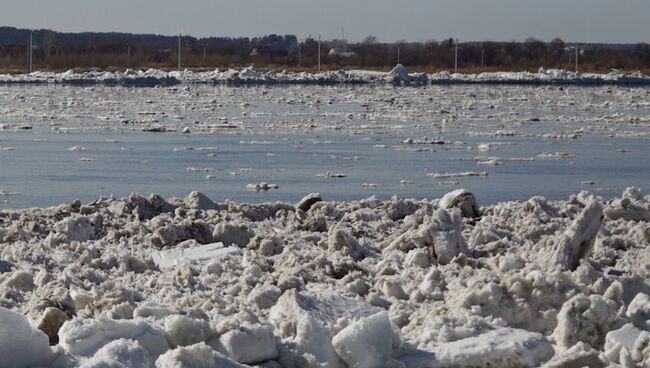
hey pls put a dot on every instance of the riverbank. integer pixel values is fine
(398, 75)
(413, 283)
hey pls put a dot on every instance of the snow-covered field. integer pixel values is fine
(144, 282)
(399, 75)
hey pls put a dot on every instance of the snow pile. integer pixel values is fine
(186, 282)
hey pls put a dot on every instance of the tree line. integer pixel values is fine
(116, 51)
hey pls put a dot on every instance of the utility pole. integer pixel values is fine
(31, 50)
(397, 54)
(577, 58)
(319, 52)
(180, 37)
(299, 55)
(456, 57)
(482, 57)
(205, 53)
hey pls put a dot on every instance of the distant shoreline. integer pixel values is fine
(250, 76)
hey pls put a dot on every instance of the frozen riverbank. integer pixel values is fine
(187, 282)
(249, 75)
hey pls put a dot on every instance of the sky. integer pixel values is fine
(611, 21)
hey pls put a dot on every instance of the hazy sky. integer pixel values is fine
(389, 20)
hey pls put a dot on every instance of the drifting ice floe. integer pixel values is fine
(259, 187)
(331, 174)
(456, 175)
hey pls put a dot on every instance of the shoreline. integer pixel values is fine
(401, 282)
(249, 76)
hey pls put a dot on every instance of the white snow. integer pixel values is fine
(21, 345)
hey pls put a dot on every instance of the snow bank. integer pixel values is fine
(249, 75)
